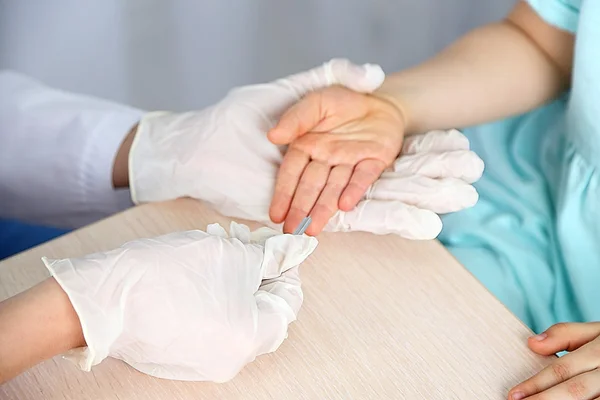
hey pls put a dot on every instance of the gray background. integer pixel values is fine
(160, 54)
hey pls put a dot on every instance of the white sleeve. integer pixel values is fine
(57, 151)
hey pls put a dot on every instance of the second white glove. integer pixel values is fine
(188, 305)
(433, 175)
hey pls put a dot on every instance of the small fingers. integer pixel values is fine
(560, 371)
(584, 386)
(365, 174)
(327, 205)
(290, 172)
(309, 189)
(578, 338)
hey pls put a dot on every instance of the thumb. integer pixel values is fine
(278, 302)
(306, 115)
(280, 297)
(564, 336)
(364, 78)
(284, 252)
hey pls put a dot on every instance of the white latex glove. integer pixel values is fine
(432, 176)
(222, 155)
(189, 305)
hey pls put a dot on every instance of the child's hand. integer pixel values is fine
(340, 143)
(573, 376)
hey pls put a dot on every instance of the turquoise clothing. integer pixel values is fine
(534, 237)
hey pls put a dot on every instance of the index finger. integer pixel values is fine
(288, 177)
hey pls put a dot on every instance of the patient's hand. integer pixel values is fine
(340, 142)
(572, 376)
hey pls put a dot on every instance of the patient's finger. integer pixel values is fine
(290, 172)
(327, 205)
(364, 175)
(313, 180)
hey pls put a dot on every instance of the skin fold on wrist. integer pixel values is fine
(398, 106)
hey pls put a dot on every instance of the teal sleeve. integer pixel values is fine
(564, 14)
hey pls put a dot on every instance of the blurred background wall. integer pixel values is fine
(185, 54)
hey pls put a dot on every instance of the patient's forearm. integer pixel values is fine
(496, 71)
(36, 325)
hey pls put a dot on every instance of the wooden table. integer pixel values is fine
(383, 318)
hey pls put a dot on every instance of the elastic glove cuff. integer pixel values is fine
(150, 173)
(94, 325)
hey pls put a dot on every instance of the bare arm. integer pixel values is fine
(493, 72)
(36, 325)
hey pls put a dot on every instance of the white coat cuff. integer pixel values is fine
(98, 160)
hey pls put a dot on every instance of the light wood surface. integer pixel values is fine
(383, 318)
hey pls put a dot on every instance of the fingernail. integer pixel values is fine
(518, 396)
(540, 337)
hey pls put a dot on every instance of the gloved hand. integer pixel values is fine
(189, 305)
(222, 155)
(432, 176)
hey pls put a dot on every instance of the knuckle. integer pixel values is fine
(324, 210)
(594, 350)
(560, 371)
(302, 204)
(309, 191)
(358, 187)
(335, 188)
(340, 175)
(577, 389)
(311, 184)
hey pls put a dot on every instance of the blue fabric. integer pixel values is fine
(534, 238)
(16, 236)
(563, 14)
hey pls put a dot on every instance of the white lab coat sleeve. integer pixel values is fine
(57, 150)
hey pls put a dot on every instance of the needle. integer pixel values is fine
(303, 226)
